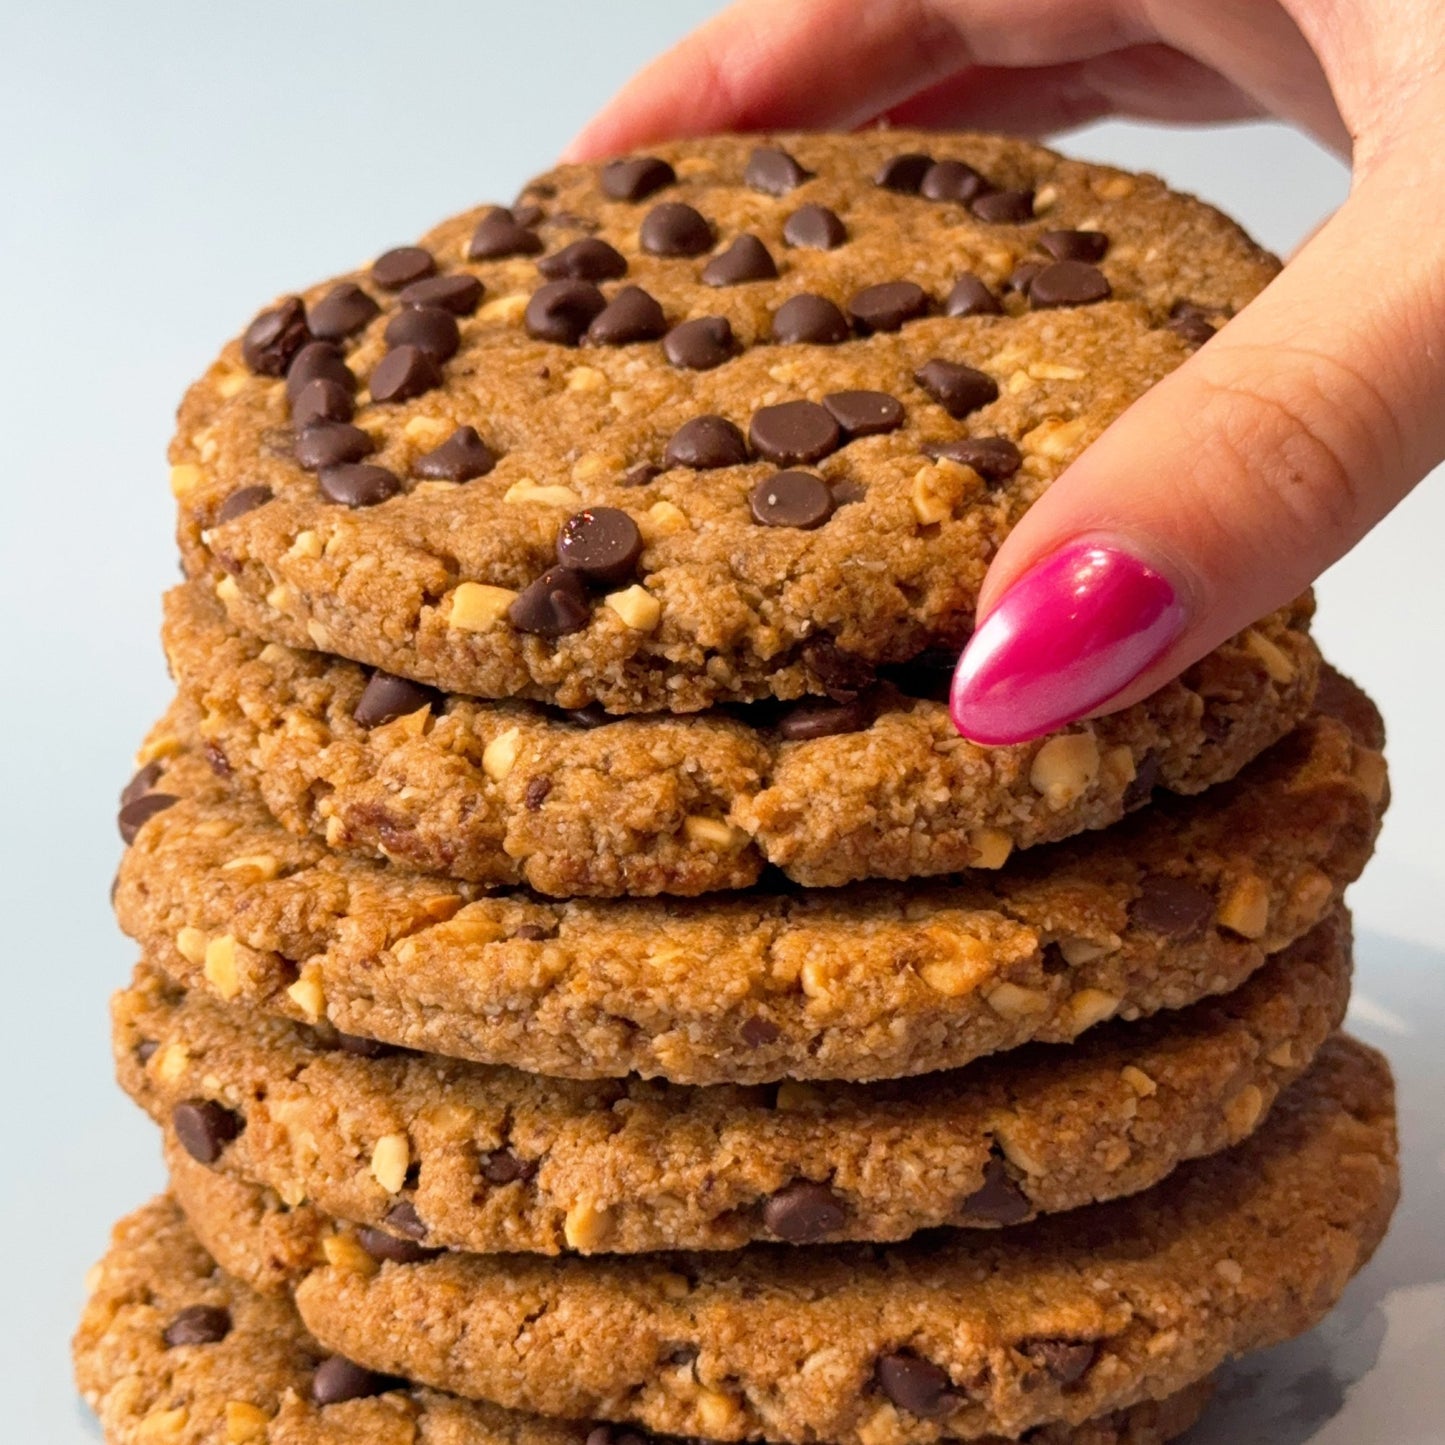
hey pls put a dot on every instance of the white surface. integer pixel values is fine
(168, 167)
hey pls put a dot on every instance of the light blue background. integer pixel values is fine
(164, 169)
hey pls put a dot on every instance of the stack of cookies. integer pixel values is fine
(588, 989)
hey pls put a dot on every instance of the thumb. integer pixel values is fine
(1230, 486)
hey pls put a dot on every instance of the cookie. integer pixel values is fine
(499, 1160)
(1185, 899)
(170, 1349)
(954, 1335)
(507, 793)
(657, 452)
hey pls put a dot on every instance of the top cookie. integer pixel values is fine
(742, 419)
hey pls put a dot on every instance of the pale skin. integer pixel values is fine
(1275, 448)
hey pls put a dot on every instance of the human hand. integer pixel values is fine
(1228, 488)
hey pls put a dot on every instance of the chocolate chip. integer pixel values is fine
(810, 318)
(364, 1048)
(915, 1384)
(757, 1032)
(1066, 1361)
(386, 698)
(1068, 283)
(814, 228)
(1003, 207)
(640, 475)
(998, 1200)
(406, 372)
(147, 1049)
(462, 457)
(141, 810)
(321, 400)
(458, 293)
(317, 361)
(886, 306)
(402, 1218)
(401, 266)
(337, 1379)
(498, 234)
(840, 674)
(393, 1247)
(1172, 906)
(1193, 326)
(700, 344)
(555, 604)
(329, 444)
(1075, 245)
(791, 499)
(536, 792)
(1142, 784)
(501, 1166)
(995, 459)
(747, 259)
(241, 501)
(904, 173)
(429, 328)
(675, 229)
(804, 1212)
(1022, 277)
(274, 338)
(636, 177)
(204, 1128)
(342, 312)
(602, 543)
(594, 715)
(816, 717)
(706, 442)
(589, 259)
(533, 933)
(142, 782)
(631, 315)
(561, 311)
(952, 181)
(627, 1434)
(970, 297)
(357, 485)
(198, 1325)
(794, 431)
(957, 388)
(864, 413)
(773, 171)
(527, 213)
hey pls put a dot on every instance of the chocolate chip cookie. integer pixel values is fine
(740, 434)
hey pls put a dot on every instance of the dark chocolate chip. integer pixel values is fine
(459, 293)
(1065, 1361)
(628, 1434)
(321, 400)
(317, 361)
(927, 674)
(631, 315)
(864, 413)
(814, 228)
(1172, 906)
(957, 388)
(970, 297)
(1195, 329)
(1068, 283)
(636, 177)
(536, 792)
(995, 459)
(794, 431)
(401, 266)
(640, 475)
(561, 311)
(952, 181)
(462, 457)
(758, 1032)
(804, 1212)
(406, 372)
(142, 782)
(402, 1218)
(816, 717)
(773, 171)
(204, 1128)
(747, 259)
(364, 1048)
(342, 312)
(1022, 277)
(675, 229)
(274, 337)
(791, 499)
(146, 1050)
(217, 760)
(141, 810)
(904, 173)
(1075, 245)
(602, 543)
(840, 674)
(1142, 784)
(331, 444)
(589, 259)
(533, 933)
(198, 1325)
(357, 484)
(998, 1200)
(1003, 207)
(498, 234)
(706, 442)
(810, 318)
(528, 213)
(337, 1379)
(429, 328)
(501, 1166)
(386, 698)
(700, 344)
(594, 715)
(241, 501)
(915, 1384)
(886, 306)
(553, 605)
(379, 1244)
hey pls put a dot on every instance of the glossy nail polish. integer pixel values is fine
(1071, 633)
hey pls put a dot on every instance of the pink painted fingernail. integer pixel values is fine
(1071, 633)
